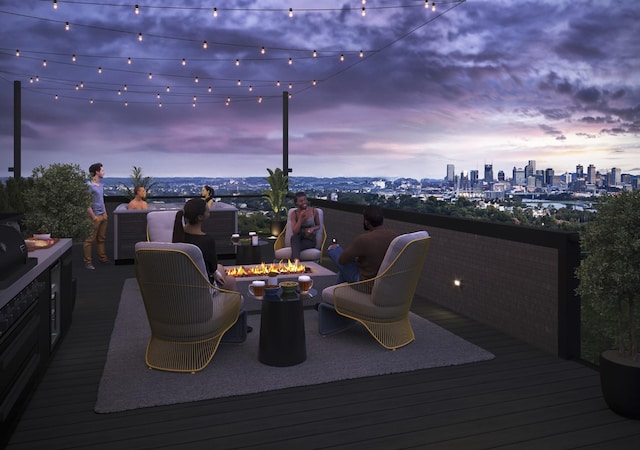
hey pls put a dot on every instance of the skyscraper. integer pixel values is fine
(579, 171)
(591, 174)
(530, 169)
(488, 173)
(451, 173)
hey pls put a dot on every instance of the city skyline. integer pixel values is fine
(398, 92)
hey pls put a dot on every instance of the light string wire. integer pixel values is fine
(256, 83)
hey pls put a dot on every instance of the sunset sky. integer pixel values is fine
(473, 82)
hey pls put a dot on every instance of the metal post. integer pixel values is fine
(285, 133)
(17, 131)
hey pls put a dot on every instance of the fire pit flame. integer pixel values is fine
(265, 269)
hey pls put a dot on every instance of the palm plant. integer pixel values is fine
(276, 195)
(138, 180)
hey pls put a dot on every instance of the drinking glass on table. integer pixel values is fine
(235, 238)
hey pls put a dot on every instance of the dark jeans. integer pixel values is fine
(300, 242)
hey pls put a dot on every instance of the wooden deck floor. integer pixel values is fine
(523, 399)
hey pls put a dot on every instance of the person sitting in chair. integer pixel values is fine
(304, 224)
(362, 258)
(195, 212)
(207, 194)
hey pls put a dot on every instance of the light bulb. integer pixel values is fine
(237, 62)
(342, 57)
(66, 26)
(315, 54)
(290, 61)
(260, 99)
(361, 54)
(91, 101)
(37, 78)
(73, 58)
(139, 37)
(215, 12)
(262, 50)
(204, 44)
(250, 88)
(426, 4)
(158, 96)
(150, 75)
(77, 88)
(290, 12)
(278, 83)
(193, 104)
(136, 10)
(160, 105)
(125, 87)
(17, 52)
(56, 97)
(184, 62)
(44, 63)
(364, 2)
(364, 11)
(82, 84)
(290, 86)
(194, 98)
(129, 60)
(228, 99)
(119, 92)
(30, 79)
(55, 4)
(168, 89)
(99, 69)
(433, 6)
(209, 89)
(126, 103)
(314, 82)
(196, 79)
(239, 82)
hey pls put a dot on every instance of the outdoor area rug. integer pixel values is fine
(128, 384)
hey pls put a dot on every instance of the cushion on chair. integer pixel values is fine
(160, 225)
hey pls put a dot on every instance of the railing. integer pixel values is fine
(516, 279)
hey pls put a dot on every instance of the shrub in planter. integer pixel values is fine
(610, 288)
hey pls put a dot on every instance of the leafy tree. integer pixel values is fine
(56, 202)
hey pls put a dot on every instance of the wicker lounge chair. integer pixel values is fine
(382, 303)
(282, 246)
(188, 316)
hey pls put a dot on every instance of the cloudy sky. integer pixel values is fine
(399, 92)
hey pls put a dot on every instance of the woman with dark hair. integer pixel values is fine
(189, 230)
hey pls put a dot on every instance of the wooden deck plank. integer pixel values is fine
(524, 398)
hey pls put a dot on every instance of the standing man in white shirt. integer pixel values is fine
(98, 216)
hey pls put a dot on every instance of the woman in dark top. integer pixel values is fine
(195, 212)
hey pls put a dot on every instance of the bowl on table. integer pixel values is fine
(272, 290)
(289, 287)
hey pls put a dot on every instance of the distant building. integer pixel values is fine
(530, 169)
(591, 174)
(501, 175)
(579, 171)
(488, 173)
(616, 177)
(451, 173)
(518, 177)
(548, 177)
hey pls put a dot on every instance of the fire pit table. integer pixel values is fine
(321, 276)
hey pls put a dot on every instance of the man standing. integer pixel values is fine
(363, 257)
(98, 217)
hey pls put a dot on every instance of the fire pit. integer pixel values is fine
(281, 268)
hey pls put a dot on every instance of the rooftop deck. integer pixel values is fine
(524, 398)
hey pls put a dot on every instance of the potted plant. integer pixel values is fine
(138, 180)
(276, 195)
(56, 201)
(610, 290)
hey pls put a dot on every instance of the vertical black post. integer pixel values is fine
(17, 131)
(285, 133)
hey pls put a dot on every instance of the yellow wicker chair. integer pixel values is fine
(282, 245)
(382, 303)
(188, 316)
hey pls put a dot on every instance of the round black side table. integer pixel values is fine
(282, 337)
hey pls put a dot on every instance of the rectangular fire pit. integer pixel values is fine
(321, 276)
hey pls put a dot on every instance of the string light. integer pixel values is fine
(361, 54)
(290, 86)
(184, 62)
(99, 69)
(139, 37)
(18, 52)
(209, 89)
(364, 11)
(262, 50)
(82, 84)
(126, 103)
(129, 60)
(77, 88)
(73, 58)
(44, 63)
(290, 12)
(196, 79)
(237, 62)
(194, 98)
(158, 96)
(342, 57)
(314, 82)
(215, 12)
(150, 75)
(136, 10)
(125, 87)
(315, 54)
(278, 83)
(239, 83)
(56, 97)
(37, 78)
(204, 44)
(260, 99)
(250, 88)
(91, 101)
(55, 4)
(66, 26)
(119, 92)
(168, 89)
(290, 61)
(160, 105)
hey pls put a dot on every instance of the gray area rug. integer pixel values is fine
(128, 384)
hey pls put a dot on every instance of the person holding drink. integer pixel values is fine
(304, 224)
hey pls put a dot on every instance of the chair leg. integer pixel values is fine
(330, 322)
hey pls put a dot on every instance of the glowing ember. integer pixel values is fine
(265, 269)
